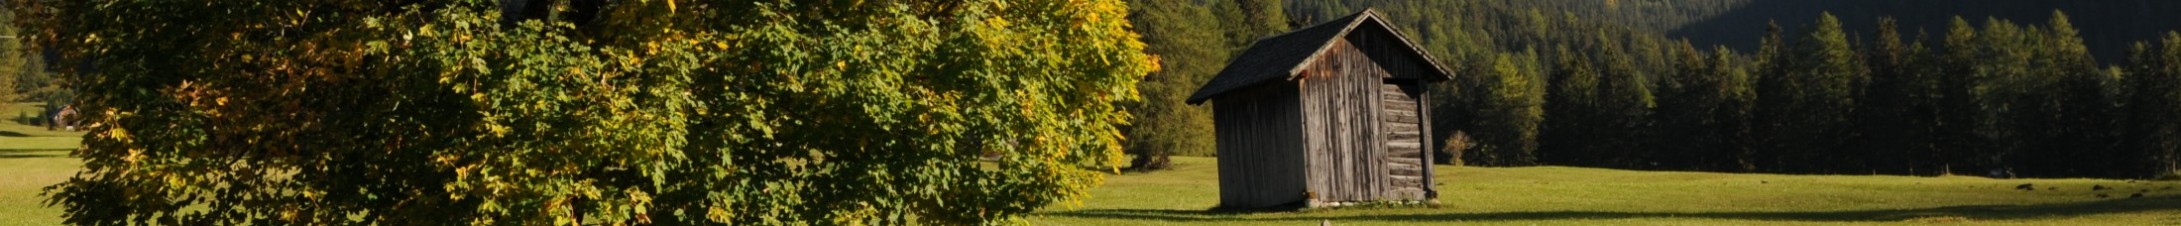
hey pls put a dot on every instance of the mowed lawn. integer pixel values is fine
(17, 136)
(30, 159)
(1589, 196)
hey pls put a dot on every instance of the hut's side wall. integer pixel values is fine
(1340, 92)
(1403, 129)
(1260, 146)
(1403, 123)
(1401, 62)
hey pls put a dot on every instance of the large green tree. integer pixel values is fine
(1572, 108)
(23, 74)
(1886, 121)
(2154, 135)
(1625, 102)
(13, 61)
(1189, 41)
(1957, 141)
(2078, 106)
(1805, 107)
(1253, 19)
(1510, 105)
(1703, 111)
(562, 112)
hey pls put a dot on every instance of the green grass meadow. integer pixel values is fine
(32, 158)
(17, 136)
(1588, 196)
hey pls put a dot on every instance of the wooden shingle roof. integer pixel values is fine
(1281, 57)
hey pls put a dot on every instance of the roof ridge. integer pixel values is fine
(1353, 21)
(1282, 56)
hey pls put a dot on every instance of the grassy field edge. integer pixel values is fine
(1553, 195)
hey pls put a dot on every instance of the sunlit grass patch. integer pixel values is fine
(1589, 196)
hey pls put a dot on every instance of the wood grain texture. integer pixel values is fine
(1260, 147)
(1341, 95)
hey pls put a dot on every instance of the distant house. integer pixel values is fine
(1325, 115)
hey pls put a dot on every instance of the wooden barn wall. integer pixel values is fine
(1403, 131)
(1260, 146)
(1340, 92)
(1408, 143)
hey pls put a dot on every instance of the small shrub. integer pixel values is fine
(1456, 144)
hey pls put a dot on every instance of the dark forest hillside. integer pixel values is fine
(2010, 88)
(2108, 26)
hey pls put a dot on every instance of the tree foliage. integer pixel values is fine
(1188, 42)
(1510, 104)
(1703, 112)
(535, 112)
(2154, 71)
(13, 60)
(1806, 108)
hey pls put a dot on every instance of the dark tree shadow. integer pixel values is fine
(32, 153)
(13, 134)
(1977, 212)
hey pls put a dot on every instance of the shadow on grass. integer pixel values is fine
(13, 134)
(33, 153)
(1974, 212)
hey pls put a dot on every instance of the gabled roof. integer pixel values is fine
(1283, 56)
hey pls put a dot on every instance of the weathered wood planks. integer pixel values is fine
(1260, 147)
(1347, 124)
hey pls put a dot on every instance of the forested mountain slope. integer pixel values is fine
(2009, 88)
(2108, 26)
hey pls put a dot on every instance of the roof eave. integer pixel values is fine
(1443, 74)
(1368, 14)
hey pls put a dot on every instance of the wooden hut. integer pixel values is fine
(1324, 115)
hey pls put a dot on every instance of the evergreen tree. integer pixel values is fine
(13, 61)
(1625, 101)
(1888, 129)
(2154, 134)
(1684, 130)
(1190, 46)
(1772, 61)
(1702, 113)
(1958, 144)
(2002, 86)
(1685, 126)
(2075, 122)
(1510, 106)
(1259, 18)
(1807, 107)
(1571, 111)
(1733, 115)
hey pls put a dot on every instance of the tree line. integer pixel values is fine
(1996, 99)
(1540, 85)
